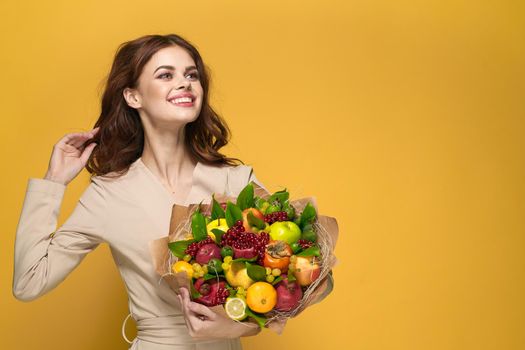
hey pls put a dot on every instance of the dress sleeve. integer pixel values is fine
(240, 176)
(44, 255)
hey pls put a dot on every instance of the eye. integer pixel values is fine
(164, 74)
(194, 75)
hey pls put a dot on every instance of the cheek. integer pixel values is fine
(153, 95)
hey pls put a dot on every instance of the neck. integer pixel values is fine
(166, 155)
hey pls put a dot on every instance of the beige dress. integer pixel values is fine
(126, 213)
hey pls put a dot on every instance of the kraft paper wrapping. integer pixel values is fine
(163, 259)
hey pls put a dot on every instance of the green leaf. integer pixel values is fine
(216, 209)
(198, 226)
(308, 215)
(218, 234)
(245, 259)
(245, 199)
(260, 319)
(289, 209)
(258, 202)
(255, 221)
(277, 280)
(178, 247)
(256, 272)
(199, 207)
(209, 276)
(280, 196)
(233, 214)
(309, 235)
(312, 251)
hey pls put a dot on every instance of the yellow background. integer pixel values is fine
(404, 118)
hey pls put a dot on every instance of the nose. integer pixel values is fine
(183, 84)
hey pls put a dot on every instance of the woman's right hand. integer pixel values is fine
(70, 156)
(203, 322)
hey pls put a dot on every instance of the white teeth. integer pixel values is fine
(181, 100)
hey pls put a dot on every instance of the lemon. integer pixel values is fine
(237, 275)
(182, 266)
(219, 223)
(236, 308)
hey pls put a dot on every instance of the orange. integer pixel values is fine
(261, 297)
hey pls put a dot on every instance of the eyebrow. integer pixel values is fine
(173, 68)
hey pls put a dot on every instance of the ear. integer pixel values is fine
(132, 98)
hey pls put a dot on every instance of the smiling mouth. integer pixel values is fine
(183, 101)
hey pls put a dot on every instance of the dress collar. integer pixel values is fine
(206, 179)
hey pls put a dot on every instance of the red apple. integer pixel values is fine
(207, 252)
(257, 213)
(306, 270)
(288, 294)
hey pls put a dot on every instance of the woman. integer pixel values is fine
(155, 144)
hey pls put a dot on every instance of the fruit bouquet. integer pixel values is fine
(259, 256)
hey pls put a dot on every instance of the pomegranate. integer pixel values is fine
(288, 294)
(207, 252)
(212, 292)
(245, 244)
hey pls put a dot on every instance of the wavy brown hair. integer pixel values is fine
(120, 140)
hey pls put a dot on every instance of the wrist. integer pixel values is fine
(248, 329)
(53, 178)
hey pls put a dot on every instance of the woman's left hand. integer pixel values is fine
(203, 322)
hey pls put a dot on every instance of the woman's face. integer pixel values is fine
(169, 89)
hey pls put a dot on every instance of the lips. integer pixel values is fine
(182, 99)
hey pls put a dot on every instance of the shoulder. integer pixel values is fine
(114, 178)
(240, 172)
(233, 173)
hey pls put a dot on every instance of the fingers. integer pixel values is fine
(185, 311)
(195, 308)
(77, 139)
(252, 329)
(201, 310)
(84, 157)
(198, 317)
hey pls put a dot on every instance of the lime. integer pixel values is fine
(295, 247)
(226, 251)
(272, 209)
(235, 308)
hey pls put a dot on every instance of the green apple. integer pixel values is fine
(287, 231)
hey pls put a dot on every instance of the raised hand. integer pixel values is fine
(70, 156)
